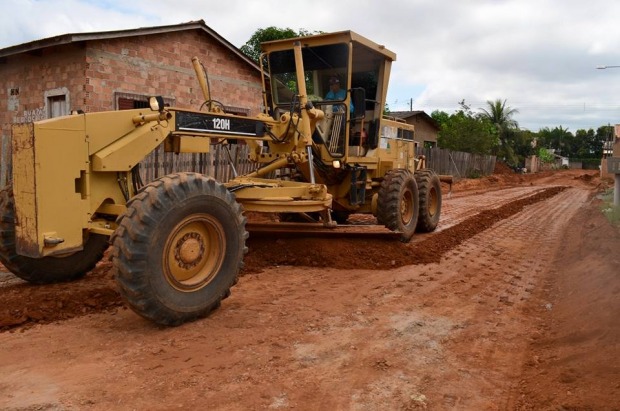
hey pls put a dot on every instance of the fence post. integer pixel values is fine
(455, 167)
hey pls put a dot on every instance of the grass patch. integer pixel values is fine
(611, 212)
(473, 174)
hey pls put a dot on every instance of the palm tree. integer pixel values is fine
(501, 117)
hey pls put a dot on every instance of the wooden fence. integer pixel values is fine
(457, 163)
(216, 163)
(159, 163)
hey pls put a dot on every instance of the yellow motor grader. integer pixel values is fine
(178, 242)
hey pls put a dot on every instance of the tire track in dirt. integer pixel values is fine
(413, 337)
(572, 359)
(25, 304)
(444, 335)
(457, 209)
(469, 313)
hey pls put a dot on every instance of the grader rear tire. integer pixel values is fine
(398, 203)
(45, 270)
(429, 188)
(179, 248)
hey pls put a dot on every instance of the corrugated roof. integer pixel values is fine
(104, 35)
(405, 114)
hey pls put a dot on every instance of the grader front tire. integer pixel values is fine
(398, 203)
(179, 248)
(45, 270)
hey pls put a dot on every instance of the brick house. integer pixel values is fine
(426, 129)
(115, 70)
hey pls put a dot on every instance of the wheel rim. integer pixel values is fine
(194, 252)
(406, 207)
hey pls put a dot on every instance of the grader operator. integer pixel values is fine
(178, 242)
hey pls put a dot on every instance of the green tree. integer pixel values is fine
(524, 143)
(464, 131)
(585, 146)
(252, 47)
(441, 117)
(559, 139)
(603, 133)
(500, 116)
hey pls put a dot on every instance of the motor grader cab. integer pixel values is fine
(358, 153)
(178, 242)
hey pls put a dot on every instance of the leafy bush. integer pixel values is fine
(474, 174)
(545, 156)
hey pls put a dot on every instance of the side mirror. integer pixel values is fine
(358, 98)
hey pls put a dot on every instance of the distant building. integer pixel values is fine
(426, 129)
(608, 148)
(560, 161)
(117, 70)
(611, 148)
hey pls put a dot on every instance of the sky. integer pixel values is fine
(541, 56)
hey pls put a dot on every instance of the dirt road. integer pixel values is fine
(512, 304)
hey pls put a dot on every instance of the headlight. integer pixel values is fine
(156, 103)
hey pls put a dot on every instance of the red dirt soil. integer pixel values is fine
(511, 304)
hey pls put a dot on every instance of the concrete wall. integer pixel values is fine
(532, 164)
(576, 165)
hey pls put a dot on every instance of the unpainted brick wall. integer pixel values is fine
(93, 72)
(161, 65)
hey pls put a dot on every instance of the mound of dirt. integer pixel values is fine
(24, 304)
(502, 169)
(505, 177)
(376, 253)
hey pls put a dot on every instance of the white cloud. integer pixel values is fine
(28, 20)
(540, 55)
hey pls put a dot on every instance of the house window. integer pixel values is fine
(128, 101)
(13, 99)
(239, 111)
(57, 102)
(56, 106)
